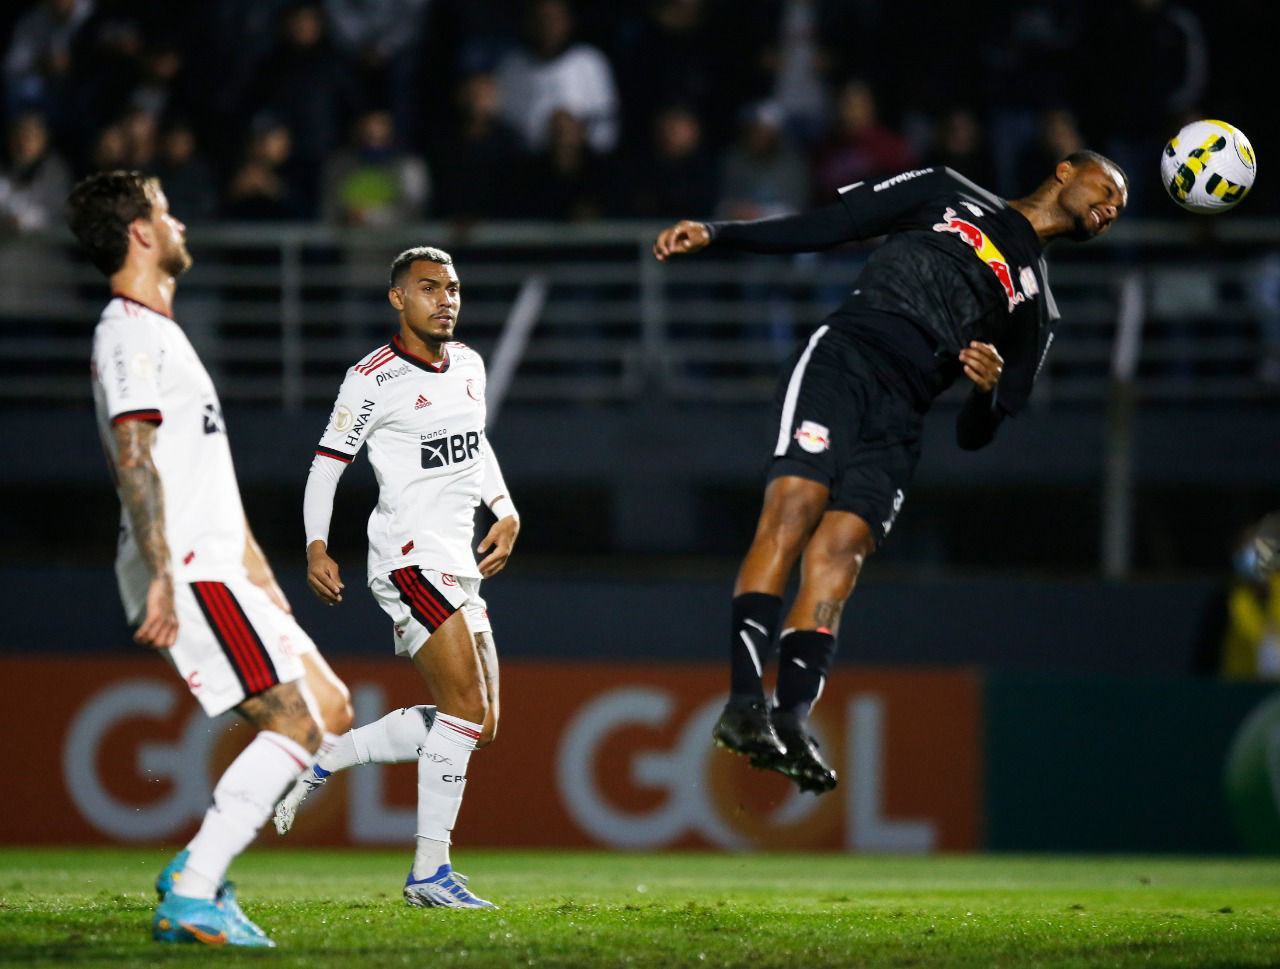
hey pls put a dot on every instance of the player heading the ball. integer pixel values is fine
(959, 288)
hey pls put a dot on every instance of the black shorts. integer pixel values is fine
(840, 425)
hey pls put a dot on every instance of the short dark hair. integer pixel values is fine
(407, 258)
(100, 210)
(1087, 157)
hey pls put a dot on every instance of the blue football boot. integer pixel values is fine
(180, 919)
(241, 930)
(444, 889)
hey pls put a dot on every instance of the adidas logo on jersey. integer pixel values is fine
(421, 403)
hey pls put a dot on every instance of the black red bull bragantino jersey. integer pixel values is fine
(957, 264)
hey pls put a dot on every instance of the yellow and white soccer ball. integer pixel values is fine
(1208, 167)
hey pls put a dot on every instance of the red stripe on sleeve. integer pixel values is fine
(151, 416)
(335, 455)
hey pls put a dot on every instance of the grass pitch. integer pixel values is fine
(93, 907)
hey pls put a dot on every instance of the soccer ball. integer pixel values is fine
(1208, 167)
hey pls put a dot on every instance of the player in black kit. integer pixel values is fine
(958, 287)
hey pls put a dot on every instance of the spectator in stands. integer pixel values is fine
(107, 56)
(35, 181)
(188, 180)
(305, 84)
(1057, 136)
(1030, 62)
(859, 147)
(157, 90)
(553, 73)
(261, 189)
(37, 64)
(381, 40)
(110, 148)
(1266, 299)
(1241, 639)
(960, 144)
(1156, 53)
(567, 181)
(800, 65)
(476, 165)
(371, 182)
(676, 173)
(142, 134)
(683, 37)
(763, 174)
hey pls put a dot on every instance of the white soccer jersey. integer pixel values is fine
(424, 427)
(144, 368)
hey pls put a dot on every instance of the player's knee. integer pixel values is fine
(302, 729)
(490, 731)
(336, 709)
(787, 525)
(470, 706)
(843, 558)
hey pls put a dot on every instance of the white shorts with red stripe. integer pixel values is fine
(233, 642)
(420, 600)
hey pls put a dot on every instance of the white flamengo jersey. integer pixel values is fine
(424, 426)
(145, 368)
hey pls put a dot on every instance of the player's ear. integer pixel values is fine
(1062, 174)
(142, 232)
(396, 298)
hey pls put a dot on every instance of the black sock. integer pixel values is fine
(755, 618)
(802, 668)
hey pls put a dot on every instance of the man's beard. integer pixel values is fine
(177, 261)
(1080, 231)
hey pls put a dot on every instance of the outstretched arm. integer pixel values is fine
(142, 494)
(810, 231)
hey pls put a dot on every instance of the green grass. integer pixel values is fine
(343, 909)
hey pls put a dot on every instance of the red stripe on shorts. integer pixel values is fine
(411, 585)
(240, 642)
(265, 669)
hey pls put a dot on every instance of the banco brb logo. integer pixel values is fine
(698, 798)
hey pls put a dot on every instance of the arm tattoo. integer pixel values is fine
(142, 493)
(828, 614)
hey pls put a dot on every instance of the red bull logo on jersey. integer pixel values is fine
(985, 249)
(813, 437)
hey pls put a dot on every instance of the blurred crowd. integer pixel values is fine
(375, 112)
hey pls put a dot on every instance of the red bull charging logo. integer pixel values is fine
(986, 250)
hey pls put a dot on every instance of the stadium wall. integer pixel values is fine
(618, 755)
(571, 614)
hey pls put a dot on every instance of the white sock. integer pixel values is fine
(442, 777)
(395, 739)
(327, 742)
(245, 797)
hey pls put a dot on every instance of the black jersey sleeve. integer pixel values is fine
(874, 207)
(978, 421)
(810, 231)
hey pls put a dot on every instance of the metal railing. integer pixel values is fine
(279, 312)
